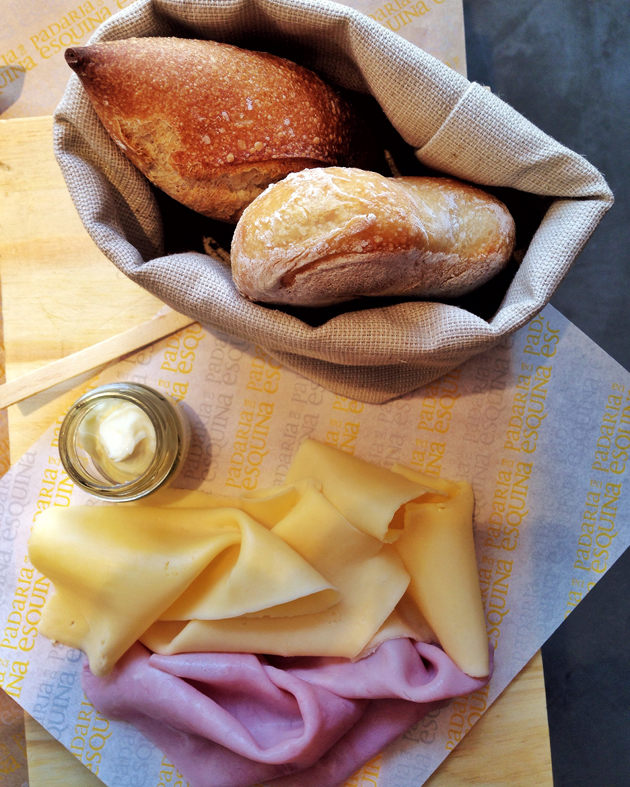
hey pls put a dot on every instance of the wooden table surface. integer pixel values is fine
(60, 294)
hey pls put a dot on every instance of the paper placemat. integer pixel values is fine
(545, 448)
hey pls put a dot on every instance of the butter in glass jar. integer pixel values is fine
(123, 441)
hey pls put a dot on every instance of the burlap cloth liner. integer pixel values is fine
(455, 126)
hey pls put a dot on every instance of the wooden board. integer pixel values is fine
(59, 295)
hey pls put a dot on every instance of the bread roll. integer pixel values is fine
(324, 236)
(213, 125)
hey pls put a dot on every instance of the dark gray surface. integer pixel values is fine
(565, 64)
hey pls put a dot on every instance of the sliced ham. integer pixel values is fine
(235, 719)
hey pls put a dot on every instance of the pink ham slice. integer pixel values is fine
(234, 719)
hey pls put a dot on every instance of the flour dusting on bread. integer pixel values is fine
(324, 236)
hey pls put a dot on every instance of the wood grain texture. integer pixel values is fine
(86, 360)
(50, 764)
(61, 294)
(509, 745)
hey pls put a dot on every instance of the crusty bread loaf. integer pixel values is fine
(325, 236)
(213, 125)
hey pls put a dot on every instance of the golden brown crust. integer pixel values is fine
(325, 236)
(193, 113)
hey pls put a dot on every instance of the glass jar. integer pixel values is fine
(163, 436)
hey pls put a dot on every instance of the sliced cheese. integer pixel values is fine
(438, 551)
(368, 496)
(370, 578)
(304, 569)
(116, 569)
(343, 630)
(113, 579)
(259, 574)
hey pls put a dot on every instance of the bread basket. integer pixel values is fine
(371, 352)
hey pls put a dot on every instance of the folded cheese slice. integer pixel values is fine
(438, 550)
(367, 495)
(369, 575)
(116, 569)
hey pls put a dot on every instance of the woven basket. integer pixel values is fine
(373, 352)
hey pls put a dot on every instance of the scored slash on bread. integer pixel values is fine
(325, 236)
(213, 125)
